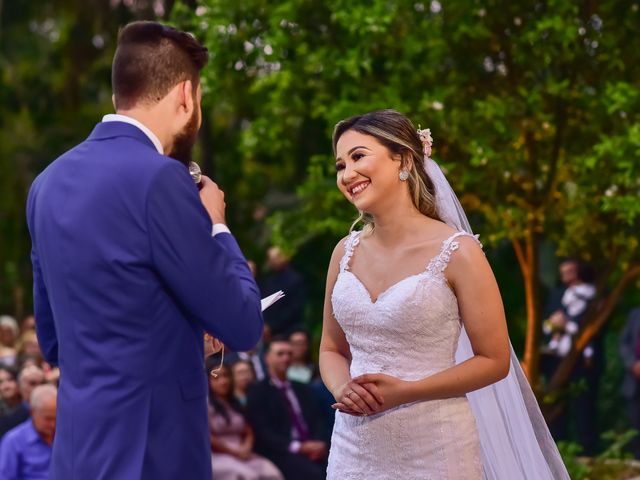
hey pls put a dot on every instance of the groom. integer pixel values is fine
(131, 266)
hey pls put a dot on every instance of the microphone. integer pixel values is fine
(196, 173)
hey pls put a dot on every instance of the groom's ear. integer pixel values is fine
(113, 101)
(185, 96)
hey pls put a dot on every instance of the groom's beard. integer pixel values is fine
(185, 140)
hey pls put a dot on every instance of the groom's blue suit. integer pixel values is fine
(126, 278)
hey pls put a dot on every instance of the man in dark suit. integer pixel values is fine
(286, 418)
(285, 316)
(630, 353)
(131, 266)
(566, 315)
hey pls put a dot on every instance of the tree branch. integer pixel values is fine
(522, 261)
(552, 177)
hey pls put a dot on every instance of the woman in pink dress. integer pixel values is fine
(232, 437)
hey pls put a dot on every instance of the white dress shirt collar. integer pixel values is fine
(116, 117)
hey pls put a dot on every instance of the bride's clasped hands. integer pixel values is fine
(372, 393)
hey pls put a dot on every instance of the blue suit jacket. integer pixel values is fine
(127, 278)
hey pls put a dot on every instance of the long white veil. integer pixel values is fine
(514, 439)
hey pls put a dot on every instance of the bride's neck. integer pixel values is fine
(393, 227)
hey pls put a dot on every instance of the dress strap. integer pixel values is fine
(349, 244)
(450, 245)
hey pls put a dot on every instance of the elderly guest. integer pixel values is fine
(25, 452)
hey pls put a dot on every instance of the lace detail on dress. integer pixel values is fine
(410, 331)
(350, 244)
(439, 264)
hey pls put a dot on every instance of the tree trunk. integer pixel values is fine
(18, 302)
(527, 251)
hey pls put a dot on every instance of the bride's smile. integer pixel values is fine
(367, 172)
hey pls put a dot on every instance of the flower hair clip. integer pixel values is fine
(427, 141)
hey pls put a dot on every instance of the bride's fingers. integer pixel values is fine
(373, 389)
(368, 378)
(372, 404)
(354, 402)
(344, 409)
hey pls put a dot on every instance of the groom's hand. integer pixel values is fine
(213, 200)
(211, 345)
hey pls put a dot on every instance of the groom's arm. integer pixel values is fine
(45, 327)
(208, 276)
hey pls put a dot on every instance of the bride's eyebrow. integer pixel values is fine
(352, 149)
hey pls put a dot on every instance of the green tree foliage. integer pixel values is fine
(55, 62)
(533, 107)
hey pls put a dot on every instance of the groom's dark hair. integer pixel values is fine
(150, 60)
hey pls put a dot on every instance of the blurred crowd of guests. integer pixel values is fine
(27, 402)
(273, 421)
(270, 415)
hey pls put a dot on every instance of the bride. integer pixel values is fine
(414, 346)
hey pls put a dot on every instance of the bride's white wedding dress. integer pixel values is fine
(411, 331)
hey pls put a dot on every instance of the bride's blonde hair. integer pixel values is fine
(400, 137)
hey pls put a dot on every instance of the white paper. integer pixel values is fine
(271, 299)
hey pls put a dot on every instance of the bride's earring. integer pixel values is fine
(404, 175)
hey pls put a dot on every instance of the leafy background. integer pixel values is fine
(534, 107)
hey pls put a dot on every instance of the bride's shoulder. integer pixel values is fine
(468, 251)
(339, 255)
(434, 231)
(445, 234)
(446, 239)
(346, 242)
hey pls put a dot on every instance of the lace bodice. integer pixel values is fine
(411, 331)
(412, 328)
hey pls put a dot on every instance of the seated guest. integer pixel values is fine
(254, 357)
(10, 398)
(28, 349)
(242, 375)
(28, 323)
(8, 334)
(325, 400)
(301, 368)
(28, 378)
(231, 437)
(285, 416)
(25, 451)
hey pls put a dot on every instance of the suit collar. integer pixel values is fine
(107, 130)
(117, 117)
